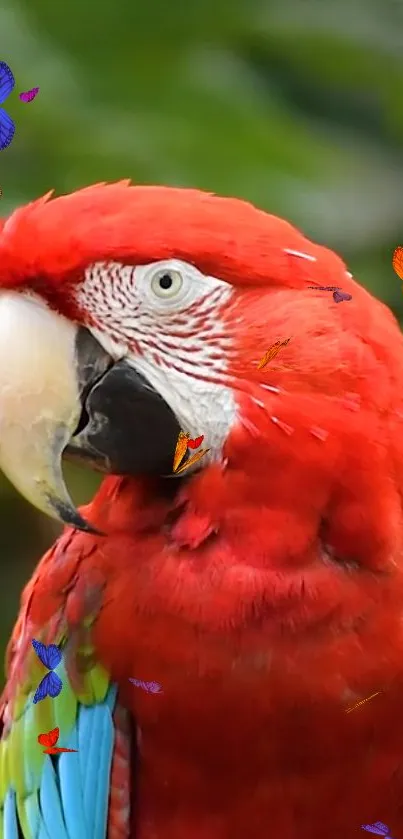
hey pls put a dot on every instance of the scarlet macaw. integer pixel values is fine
(263, 591)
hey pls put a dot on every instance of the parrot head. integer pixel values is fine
(124, 318)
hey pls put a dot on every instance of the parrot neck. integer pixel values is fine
(222, 589)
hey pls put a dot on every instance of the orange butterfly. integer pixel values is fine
(50, 739)
(362, 702)
(185, 442)
(397, 261)
(181, 448)
(272, 352)
(195, 457)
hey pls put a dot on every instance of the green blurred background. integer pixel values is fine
(296, 106)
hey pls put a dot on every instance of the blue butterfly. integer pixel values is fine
(7, 84)
(50, 656)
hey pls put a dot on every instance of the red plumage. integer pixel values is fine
(266, 594)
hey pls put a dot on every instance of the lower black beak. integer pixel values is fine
(126, 428)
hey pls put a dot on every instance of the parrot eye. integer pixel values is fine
(166, 283)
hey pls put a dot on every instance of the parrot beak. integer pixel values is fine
(129, 428)
(39, 402)
(60, 392)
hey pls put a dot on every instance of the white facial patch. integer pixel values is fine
(165, 318)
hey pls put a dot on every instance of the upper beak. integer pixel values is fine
(56, 380)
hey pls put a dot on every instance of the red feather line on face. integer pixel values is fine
(50, 739)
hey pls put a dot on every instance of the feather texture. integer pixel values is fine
(67, 795)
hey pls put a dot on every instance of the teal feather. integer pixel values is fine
(50, 802)
(91, 744)
(99, 758)
(89, 730)
(71, 792)
(43, 833)
(10, 817)
(32, 814)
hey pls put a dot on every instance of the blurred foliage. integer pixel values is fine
(295, 106)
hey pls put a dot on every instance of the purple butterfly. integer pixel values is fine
(150, 687)
(339, 296)
(29, 95)
(51, 684)
(7, 84)
(379, 828)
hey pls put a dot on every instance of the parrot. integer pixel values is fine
(262, 588)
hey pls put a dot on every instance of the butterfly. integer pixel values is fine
(51, 684)
(192, 460)
(338, 294)
(29, 95)
(7, 126)
(185, 442)
(272, 352)
(50, 739)
(397, 261)
(379, 828)
(194, 444)
(150, 687)
(362, 702)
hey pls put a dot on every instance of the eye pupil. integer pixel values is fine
(165, 281)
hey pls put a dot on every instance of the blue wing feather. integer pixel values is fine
(86, 735)
(10, 817)
(75, 809)
(7, 129)
(7, 81)
(51, 810)
(100, 810)
(43, 833)
(96, 730)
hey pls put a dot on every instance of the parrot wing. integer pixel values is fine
(69, 796)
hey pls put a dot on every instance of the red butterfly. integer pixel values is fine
(50, 739)
(194, 444)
